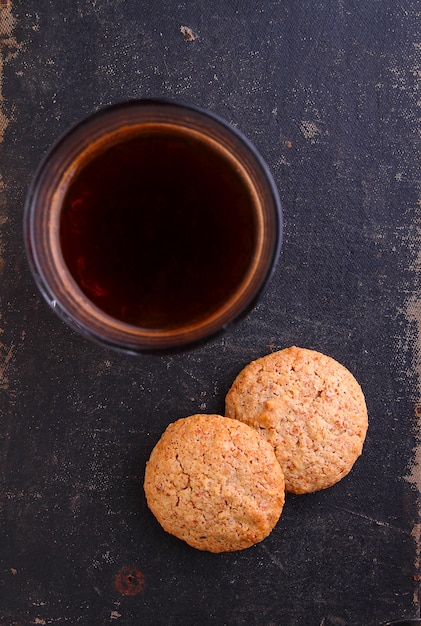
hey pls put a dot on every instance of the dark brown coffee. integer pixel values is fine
(159, 229)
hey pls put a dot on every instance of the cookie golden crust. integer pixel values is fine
(214, 483)
(310, 408)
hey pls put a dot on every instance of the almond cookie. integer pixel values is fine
(214, 483)
(310, 408)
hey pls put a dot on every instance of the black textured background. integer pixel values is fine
(327, 91)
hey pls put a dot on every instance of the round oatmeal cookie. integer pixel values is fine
(214, 483)
(310, 408)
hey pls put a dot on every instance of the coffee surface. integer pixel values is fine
(159, 229)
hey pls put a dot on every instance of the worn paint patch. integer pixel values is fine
(9, 48)
(3, 221)
(309, 130)
(6, 354)
(410, 82)
(413, 315)
(115, 615)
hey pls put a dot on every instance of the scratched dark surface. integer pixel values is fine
(327, 91)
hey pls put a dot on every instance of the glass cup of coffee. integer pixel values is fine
(152, 225)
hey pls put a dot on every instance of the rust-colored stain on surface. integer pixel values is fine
(129, 581)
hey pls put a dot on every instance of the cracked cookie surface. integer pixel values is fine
(310, 408)
(214, 483)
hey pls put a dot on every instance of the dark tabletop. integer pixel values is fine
(327, 92)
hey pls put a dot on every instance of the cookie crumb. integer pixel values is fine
(187, 33)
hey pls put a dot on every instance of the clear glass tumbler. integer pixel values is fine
(152, 225)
